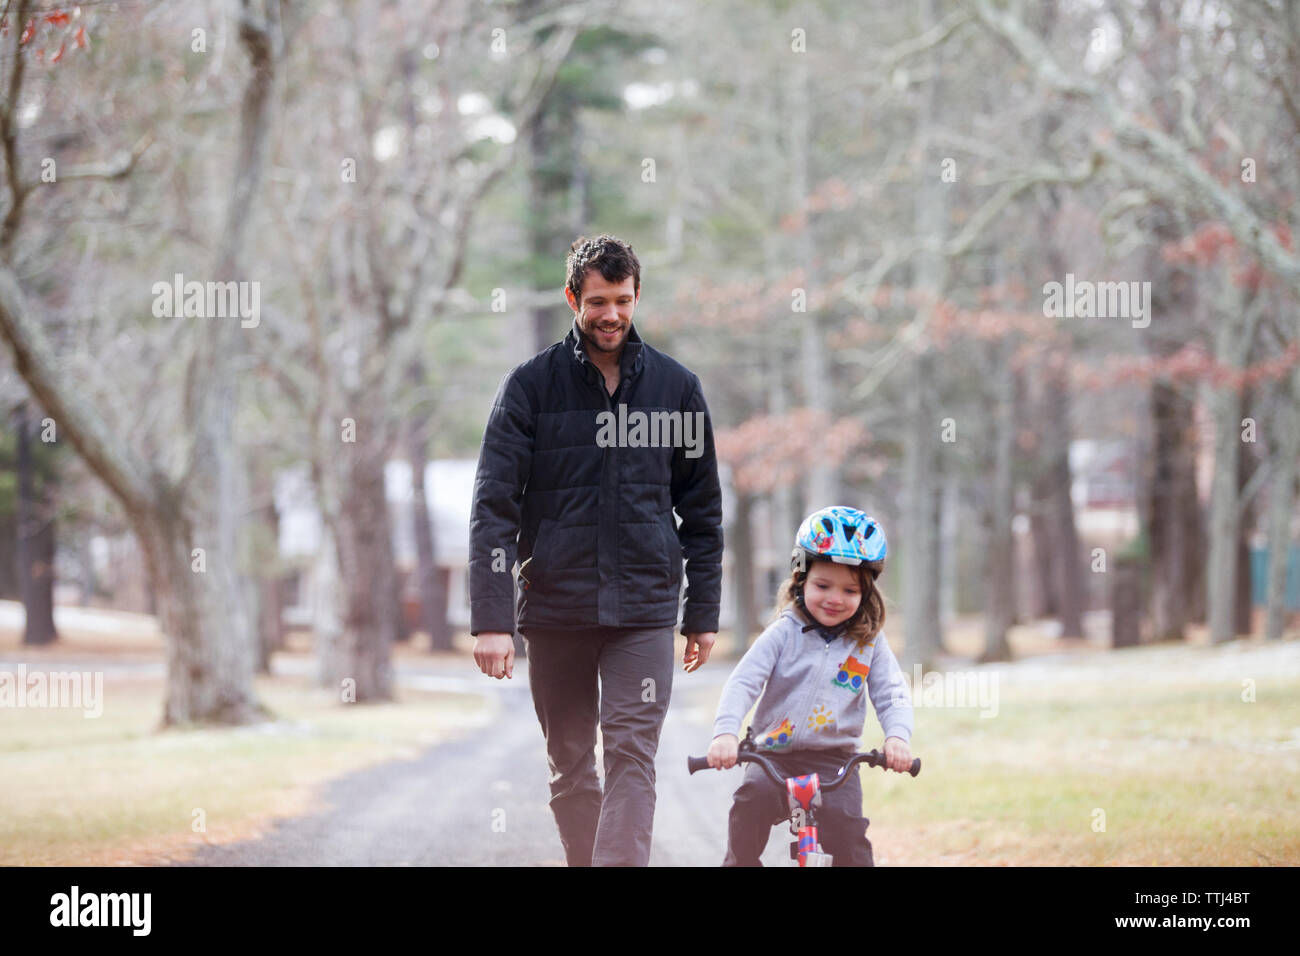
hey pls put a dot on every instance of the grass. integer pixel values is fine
(1157, 738)
(112, 790)
(1177, 773)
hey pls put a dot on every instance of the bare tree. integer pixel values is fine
(184, 515)
(392, 230)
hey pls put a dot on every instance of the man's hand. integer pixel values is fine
(898, 754)
(494, 653)
(698, 647)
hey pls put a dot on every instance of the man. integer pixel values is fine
(572, 483)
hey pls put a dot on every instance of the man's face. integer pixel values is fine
(605, 314)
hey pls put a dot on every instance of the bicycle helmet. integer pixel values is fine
(843, 535)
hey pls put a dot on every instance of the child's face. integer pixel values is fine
(832, 593)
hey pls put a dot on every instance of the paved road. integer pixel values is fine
(439, 809)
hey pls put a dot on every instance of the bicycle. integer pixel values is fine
(804, 794)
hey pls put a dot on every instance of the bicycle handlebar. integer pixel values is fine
(873, 758)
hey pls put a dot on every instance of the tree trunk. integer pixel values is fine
(1056, 540)
(1043, 601)
(39, 602)
(544, 190)
(949, 524)
(922, 628)
(433, 592)
(85, 571)
(1126, 603)
(367, 576)
(1247, 464)
(783, 522)
(934, 595)
(741, 536)
(1174, 511)
(1221, 569)
(35, 543)
(555, 187)
(327, 610)
(919, 558)
(1233, 343)
(822, 481)
(1066, 568)
(267, 575)
(1176, 529)
(1282, 498)
(210, 648)
(1000, 550)
(10, 585)
(536, 199)
(270, 627)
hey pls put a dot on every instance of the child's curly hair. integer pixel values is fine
(866, 622)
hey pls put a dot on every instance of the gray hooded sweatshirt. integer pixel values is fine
(814, 696)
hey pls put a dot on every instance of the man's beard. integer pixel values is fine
(591, 335)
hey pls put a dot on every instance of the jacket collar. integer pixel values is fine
(630, 363)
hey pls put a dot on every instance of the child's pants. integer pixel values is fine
(760, 804)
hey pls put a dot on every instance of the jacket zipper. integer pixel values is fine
(812, 694)
(609, 461)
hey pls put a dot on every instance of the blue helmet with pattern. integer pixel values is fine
(843, 535)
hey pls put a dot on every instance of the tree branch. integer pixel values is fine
(9, 137)
(932, 37)
(34, 359)
(119, 167)
(1199, 190)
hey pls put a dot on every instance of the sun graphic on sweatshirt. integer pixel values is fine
(821, 718)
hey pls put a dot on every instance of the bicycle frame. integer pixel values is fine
(803, 794)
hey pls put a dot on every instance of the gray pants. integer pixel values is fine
(635, 671)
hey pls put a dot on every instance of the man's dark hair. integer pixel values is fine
(613, 257)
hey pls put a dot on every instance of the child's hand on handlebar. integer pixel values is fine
(898, 754)
(723, 750)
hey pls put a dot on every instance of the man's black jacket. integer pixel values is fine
(596, 542)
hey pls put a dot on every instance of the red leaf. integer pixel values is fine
(59, 19)
(81, 37)
(59, 56)
(27, 34)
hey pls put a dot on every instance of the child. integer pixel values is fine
(811, 715)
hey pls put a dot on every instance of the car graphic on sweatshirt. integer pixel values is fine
(779, 737)
(852, 674)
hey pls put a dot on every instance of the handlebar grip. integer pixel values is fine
(697, 763)
(879, 760)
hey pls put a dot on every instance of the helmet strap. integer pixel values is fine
(835, 631)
